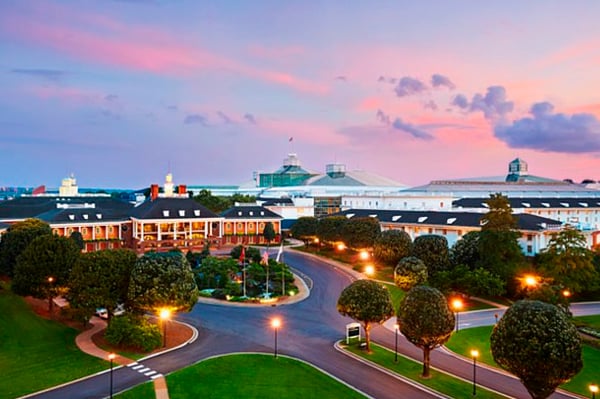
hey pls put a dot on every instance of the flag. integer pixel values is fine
(280, 252)
(291, 139)
(265, 258)
(243, 255)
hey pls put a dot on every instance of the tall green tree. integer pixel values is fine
(465, 251)
(538, 343)
(433, 250)
(101, 279)
(391, 246)
(368, 302)
(330, 228)
(43, 268)
(360, 233)
(499, 248)
(426, 321)
(16, 238)
(78, 238)
(568, 262)
(162, 280)
(305, 229)
(410, 272)
(269, 233)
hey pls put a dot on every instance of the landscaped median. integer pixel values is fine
(248, 376)
(409, 369)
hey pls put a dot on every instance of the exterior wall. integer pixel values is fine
(248, 231)
(397, 202)
(96, 236)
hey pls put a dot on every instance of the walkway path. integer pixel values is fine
(85, 342)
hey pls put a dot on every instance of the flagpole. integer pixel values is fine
(267, 265)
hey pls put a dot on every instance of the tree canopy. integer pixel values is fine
(16, 238)
(162, 280)
(465, 251)
(367, 302)
(410, 272)
(330, 228)
(47, 256)
(433, 250)
(101, 279)
(391, 246)
(425, 320)
(538, 343)
(219, 204)
(568, 262)
(269, 232)
(360, 233)
(305, 228)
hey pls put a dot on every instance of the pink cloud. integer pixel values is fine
(109, 42)
(370, 104)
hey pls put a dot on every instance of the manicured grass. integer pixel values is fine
(441, 382)
(479, 338)
(397, 294)
(36, 353)
(249, 376)
(590, 321)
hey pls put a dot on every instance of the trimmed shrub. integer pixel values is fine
(133, 332)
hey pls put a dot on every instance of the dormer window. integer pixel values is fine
(251, 213)
(99, 215)
(181, 213)
(85, 216)
(239, 213)
(262, 213)
(196, 212)
(422, 219)
(71, 217)
(166, 213)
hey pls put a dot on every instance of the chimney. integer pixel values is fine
(181, 189)
(153, 191)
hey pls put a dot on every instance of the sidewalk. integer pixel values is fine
(86, 344)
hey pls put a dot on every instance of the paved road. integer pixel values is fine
(309, 329)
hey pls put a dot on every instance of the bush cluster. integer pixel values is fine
(134, 332)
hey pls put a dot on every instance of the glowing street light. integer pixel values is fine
(457, 305)
(530, 280)
(275, 323)
(369, 270)
(341, 246)
(50, 281)
(474, 355)
(364, 255)
(593, 390)
(111, 357)
(164, 314)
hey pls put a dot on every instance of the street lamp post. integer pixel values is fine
(111, 357)
(457, 305)
(474, 354)
(593, 390)
(369, 270)
(165, 314)
(50, 281)
(275, 323)
(396, 328)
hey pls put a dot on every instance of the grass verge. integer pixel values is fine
(36, 353)
(439, 381)
(256, 376)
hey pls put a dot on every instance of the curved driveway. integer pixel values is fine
(309, 329)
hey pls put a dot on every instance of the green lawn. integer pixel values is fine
(36, 353)
(441, 382)
(479, 338)
(248, 376)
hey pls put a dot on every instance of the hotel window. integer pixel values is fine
(84, 230)
(529, 249)
(529, 237)
(98, 230)
(110, 229)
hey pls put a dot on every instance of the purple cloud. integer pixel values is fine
(494, 104)
(430, 105)
(341, 78)
(547, 131)
(383, 117)
(438, 80)
(411, 129)
(225, 118)
(461, 101)
(111, 97)
(194, 119)
(383, 79)
(250, 118)
(408, 86)
(52, 75)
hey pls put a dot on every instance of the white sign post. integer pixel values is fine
(352, 331)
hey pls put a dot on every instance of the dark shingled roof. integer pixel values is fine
(172, 208)
(466, 219)
(249, 212)
(275, 201)
(79, 215)
(30, 207)
(532, 202)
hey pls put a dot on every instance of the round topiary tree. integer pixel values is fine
(425, 320)
(433, 250)
(391, 246)
(410, 272)
(537, 342)
(367, 302)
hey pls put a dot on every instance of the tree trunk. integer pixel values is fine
(426, 352)
(367, 327)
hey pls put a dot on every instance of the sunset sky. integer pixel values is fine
(121, 92)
